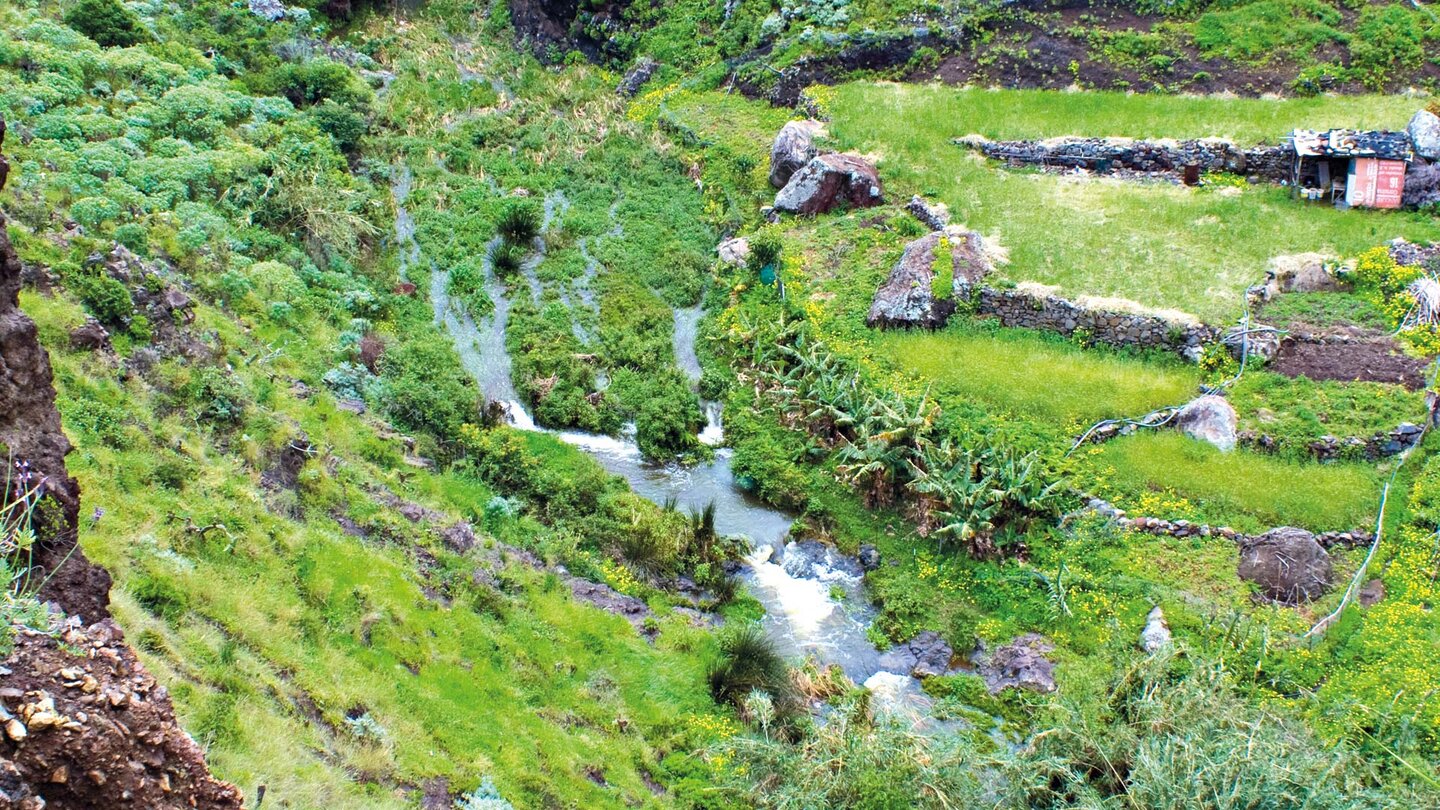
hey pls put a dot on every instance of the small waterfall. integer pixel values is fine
(687, 327)
(713, 434)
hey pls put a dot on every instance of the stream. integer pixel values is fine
(813, 599)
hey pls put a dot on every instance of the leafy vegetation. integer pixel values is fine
(415, 595)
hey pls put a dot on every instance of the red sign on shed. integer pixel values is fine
(1375, 183)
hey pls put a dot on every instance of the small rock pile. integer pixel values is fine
(86, 726)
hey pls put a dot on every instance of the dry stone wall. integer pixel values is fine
(1269, 163)
(1018, 307)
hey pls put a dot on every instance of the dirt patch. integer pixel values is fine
(1373, 360)
(95, 729)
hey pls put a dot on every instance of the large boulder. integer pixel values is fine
(828, 181)
(1209, 418)
(1286, 564)
(1424, 132)
(793, 148)
(1422, 185)
(1302, 272)
(1021, 664)
(734, 251)
(907, 298)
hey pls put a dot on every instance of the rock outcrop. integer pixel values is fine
(85, 726)
(794, 147)
(637, 76)
(1424, 132)
(1287, 565)
(1021, 664)
(924, 656)
(31, 437)
(908, 297)
(829, 181)
(1209, 418)
(550, 28)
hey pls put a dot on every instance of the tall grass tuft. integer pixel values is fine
(519, 223)
(749, 661)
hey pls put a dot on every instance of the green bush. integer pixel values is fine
(341, 123)
(1387, 39)
(108, 300)
(427, 388)
(108, 22)
(215, 395)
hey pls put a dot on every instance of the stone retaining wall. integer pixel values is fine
(1327, 448)
(1184, 528)
(1016, 307)
(1268, 163)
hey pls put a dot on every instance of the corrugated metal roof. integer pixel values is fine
(1352, 143)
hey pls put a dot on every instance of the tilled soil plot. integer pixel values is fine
(1374, 360)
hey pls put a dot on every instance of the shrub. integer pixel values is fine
(765, 249)
(507, 258)
(427, 388)
(107, 22)
(485, 797)
(108, 300)
(341, 123)
(214, 394)
(318, 80)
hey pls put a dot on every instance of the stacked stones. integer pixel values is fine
(1327, 448)
(1272, 163)
(1184, 528)
(1020, 308)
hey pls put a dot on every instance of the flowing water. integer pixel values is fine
(687, 325)
(814, 604)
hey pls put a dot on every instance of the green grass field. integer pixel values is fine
(1031, 375)
(1166, 474)
(1167, 247)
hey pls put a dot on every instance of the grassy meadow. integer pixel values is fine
(1166, 247)
(1028, 374)
(1170, 475)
